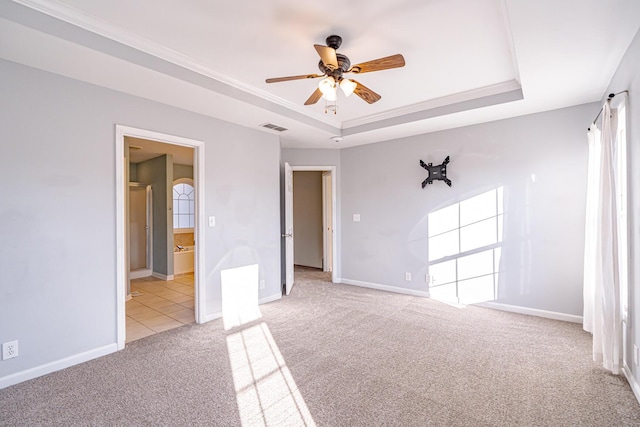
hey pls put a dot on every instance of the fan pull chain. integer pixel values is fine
(331, 106)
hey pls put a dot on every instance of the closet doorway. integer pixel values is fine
(317, 237)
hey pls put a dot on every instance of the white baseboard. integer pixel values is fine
(386, 288)
(163, 276)
(57, 365)
(270, 298)
(139, 274)
(531, 311)
(218, 314)
(632, 381)
(212, 316)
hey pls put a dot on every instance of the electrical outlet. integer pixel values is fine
(407, 277)
(427, 278)
(9, 350)
(261, 284)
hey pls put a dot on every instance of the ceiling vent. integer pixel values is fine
(274, 127)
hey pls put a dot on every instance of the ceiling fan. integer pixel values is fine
(333, 65)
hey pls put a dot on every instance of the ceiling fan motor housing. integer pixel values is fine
(334, 41)
(343, 66)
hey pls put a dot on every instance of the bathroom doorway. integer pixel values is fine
(152, 297)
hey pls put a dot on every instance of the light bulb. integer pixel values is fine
(331, 95)
(327, 86)
(347, 86)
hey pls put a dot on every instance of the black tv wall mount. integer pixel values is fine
(438, 172)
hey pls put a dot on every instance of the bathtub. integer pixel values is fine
(183, 260)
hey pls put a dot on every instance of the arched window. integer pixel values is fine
(183, 204)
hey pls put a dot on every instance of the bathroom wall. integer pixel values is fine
(133, 172)
(183, 239)
(182, 171)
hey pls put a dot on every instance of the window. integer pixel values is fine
(465, 249)
(183, 205)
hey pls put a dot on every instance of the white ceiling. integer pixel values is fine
(467, 61)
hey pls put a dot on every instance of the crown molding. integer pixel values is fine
(107, 30)
(437, 103)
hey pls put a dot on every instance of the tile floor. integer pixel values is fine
(159, 305)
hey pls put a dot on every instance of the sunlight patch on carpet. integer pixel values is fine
(265, 390)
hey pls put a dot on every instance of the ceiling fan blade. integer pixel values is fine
(365, 93)
(328, 56)
(393, 61)
(284, 79)
(315, 96)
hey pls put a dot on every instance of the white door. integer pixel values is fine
(137, 227)
(140, 248)
(288, 227)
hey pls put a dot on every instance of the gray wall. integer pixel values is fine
(58, 257)
(159, 173)
(628, 77)
(307, 218)
(544, 218)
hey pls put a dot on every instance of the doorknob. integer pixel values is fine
(288, 235)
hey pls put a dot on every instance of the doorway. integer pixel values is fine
(163, 149)
(326, 210)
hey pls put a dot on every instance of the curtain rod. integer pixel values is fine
(609, 98)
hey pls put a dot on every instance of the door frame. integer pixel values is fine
(121, 216)
(288, 228)
(332, 170)
(327, 227)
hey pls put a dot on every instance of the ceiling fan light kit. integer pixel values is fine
(333, 65)
(347, 86)
(328, 88)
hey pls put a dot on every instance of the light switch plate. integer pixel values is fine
(212, 221)
(356, 217)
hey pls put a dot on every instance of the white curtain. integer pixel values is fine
(602, 315)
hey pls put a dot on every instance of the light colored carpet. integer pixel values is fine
(337, 355)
